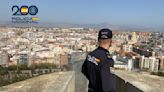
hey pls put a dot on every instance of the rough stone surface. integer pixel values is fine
(142, 80)
(55, 82)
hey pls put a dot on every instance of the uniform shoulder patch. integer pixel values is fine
(97, 60)
(109, 56)
(93, 59)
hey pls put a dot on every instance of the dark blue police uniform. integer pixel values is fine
(96, 68)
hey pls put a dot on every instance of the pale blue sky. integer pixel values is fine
(131, 12)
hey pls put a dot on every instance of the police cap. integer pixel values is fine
(105, 33)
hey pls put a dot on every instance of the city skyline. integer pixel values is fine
(30, 52)
(141, 13)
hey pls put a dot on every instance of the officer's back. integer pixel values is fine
(97, 65)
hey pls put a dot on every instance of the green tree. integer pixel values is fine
(3, 70)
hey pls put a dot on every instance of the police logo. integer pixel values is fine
(104, 36)
(93, 59)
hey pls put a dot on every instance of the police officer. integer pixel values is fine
(97, 65)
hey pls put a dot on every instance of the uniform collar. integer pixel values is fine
(101, 48)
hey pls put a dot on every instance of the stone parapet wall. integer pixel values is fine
(54, 82)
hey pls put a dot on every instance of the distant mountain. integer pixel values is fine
(97, 26)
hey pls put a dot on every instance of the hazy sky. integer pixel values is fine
(132, 12)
